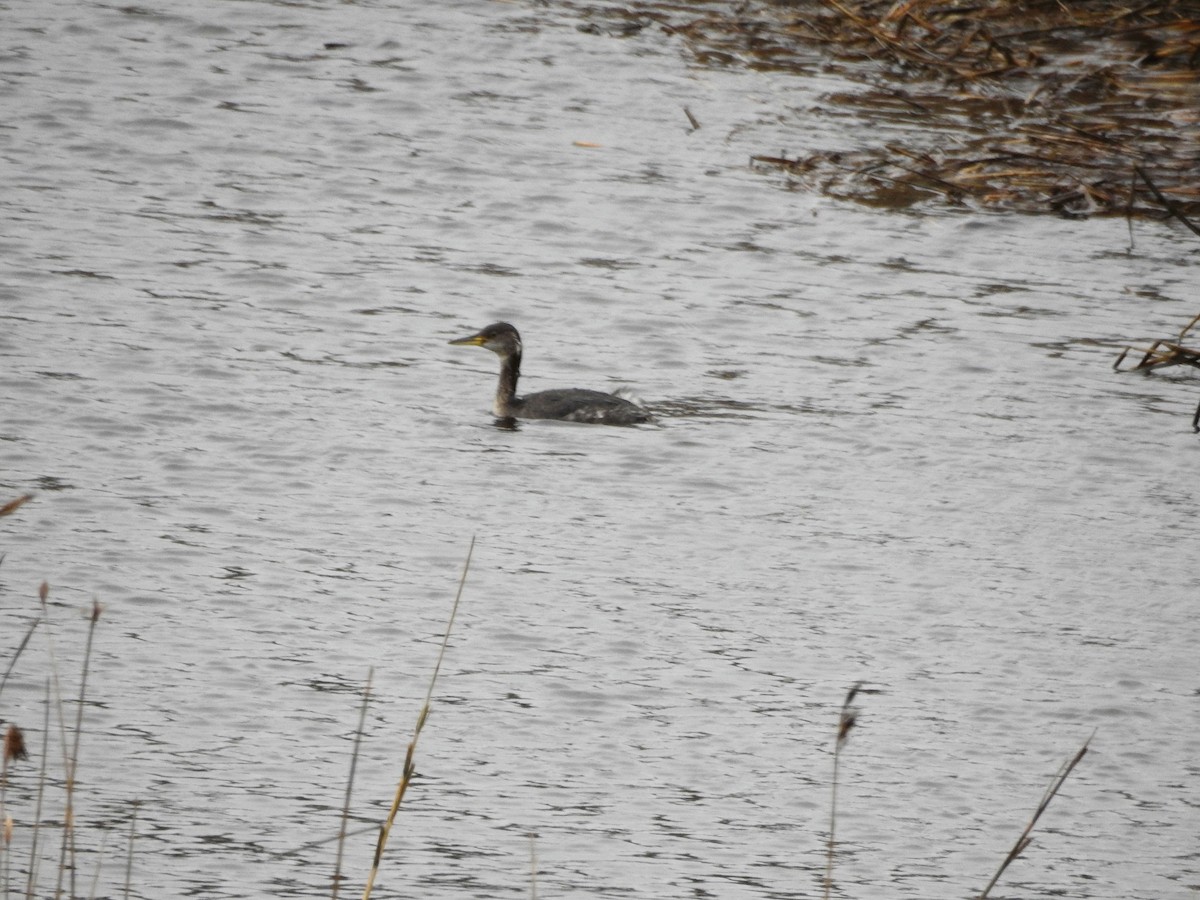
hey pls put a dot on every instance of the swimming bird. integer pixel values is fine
(570, 404)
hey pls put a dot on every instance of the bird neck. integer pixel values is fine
(506, 391)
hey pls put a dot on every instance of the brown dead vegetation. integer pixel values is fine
(1164, 354)
(1030, 105)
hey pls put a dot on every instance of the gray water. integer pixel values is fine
(890, 448)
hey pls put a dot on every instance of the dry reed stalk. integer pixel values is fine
(358, 733)
(1024, 840)
(1175, 354)
(409, 759)
(53, 690)
(67, 852)
(1188, 327)
(99, 864)
(1167, 204)
(14, 750)
(847, 719)
(1162, 354)
(31, 880)
(129, 854)
(533, 865)
(5, 847)
(43, 592)
(17, 653)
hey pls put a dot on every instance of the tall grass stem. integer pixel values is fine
(129, 855)
(358, 734)
(1024, 840)
(410, 756)
(847, 719)
(31, 880)
(67, 856)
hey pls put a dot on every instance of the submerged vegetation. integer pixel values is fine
(1030, 105)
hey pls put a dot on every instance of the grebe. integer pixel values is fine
(570, 404)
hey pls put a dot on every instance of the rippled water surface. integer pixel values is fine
(890, 448)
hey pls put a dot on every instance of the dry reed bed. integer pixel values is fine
(1029, 105)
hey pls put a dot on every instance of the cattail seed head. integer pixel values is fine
(847, 722)
(13, 505)
(14, 744)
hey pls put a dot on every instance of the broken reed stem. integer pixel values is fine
(358, 733)
(1024, 840)
(847, 719)
(409, 765)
